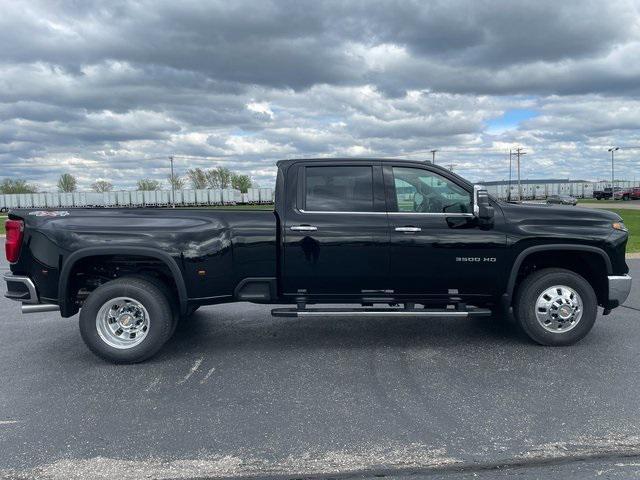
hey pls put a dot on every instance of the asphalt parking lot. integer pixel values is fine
(238, 393)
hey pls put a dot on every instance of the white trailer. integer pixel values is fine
(215, 196)
(110, 199)
(202, 196)
(150, 198)
(163, 198)
(227, 196)
(66, 199)
(79, 199)
(577, 190)
(94, 199)
(188, 197)
(123, 198)
(39, 200)
(25, 200)
(52, 200)
(539, 191)
(137, 198)
(178, 197)
(266, 195)
(253, 195)
(587, 190)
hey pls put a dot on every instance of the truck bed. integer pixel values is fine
(215, 249)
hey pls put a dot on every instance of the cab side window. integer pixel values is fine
(421, 191)
(339, 189)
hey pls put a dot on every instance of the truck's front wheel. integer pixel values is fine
(555, 306)
(126, 320)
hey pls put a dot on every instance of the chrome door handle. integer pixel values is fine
(304, 228)
(408, 229)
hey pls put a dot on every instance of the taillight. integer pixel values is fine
(15, 229)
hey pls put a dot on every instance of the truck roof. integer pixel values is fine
(359, 159)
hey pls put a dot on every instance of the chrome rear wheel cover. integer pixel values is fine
(122, 323)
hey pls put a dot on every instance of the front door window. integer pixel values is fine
(421, 191)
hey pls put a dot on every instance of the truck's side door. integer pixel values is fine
(335, 231)
(437, 247)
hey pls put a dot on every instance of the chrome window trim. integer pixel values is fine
(434, 214)
(429, 214)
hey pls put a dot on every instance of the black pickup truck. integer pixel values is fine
(371, 237)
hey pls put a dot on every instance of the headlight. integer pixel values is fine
(620, 226)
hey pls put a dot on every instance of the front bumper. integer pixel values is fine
(619, 288)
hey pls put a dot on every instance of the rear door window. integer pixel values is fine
(339, 189)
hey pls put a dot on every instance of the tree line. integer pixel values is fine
(196, 178)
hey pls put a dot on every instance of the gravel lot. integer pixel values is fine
(238, 393)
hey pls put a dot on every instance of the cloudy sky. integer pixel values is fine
(110, 90)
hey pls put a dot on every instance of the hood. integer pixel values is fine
(543, 211)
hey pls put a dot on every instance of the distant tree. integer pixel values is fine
(241, 182)
(213, 178)
(197, 177)
(176, 182)
(17, 185)
(101, 186)
(67, 183)
(148, 184)
(224, 177)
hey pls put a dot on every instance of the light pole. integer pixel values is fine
(433, 156)
(509, 191)
(518, 153)
(612, 149)
(173, 185)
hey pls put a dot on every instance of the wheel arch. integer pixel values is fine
(63, 295)
(563, 247)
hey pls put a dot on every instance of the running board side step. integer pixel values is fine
(380, 312)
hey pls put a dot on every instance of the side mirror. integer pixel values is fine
(482, 208)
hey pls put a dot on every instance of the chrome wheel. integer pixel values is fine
(122, 322)
(559, 309)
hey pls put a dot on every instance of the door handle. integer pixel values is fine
(304, 228)
(408, 229)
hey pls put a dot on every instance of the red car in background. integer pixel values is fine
(632, 193)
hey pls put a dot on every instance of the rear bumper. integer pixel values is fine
(619, 288)
(22, 289)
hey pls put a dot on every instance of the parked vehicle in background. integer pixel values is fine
(632, 193)
(605, 194)
(561, 200)
(390, 237)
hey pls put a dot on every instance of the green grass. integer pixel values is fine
(593, 200)
(632, 221)
(3, 218)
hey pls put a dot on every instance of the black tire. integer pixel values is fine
(534, 285)
(164, 288)
(152, 298)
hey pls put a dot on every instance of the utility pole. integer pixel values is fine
(518, 153)
(433, 156)
(450, 166)
(173, 184)
(509, 191)
(612, 149)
